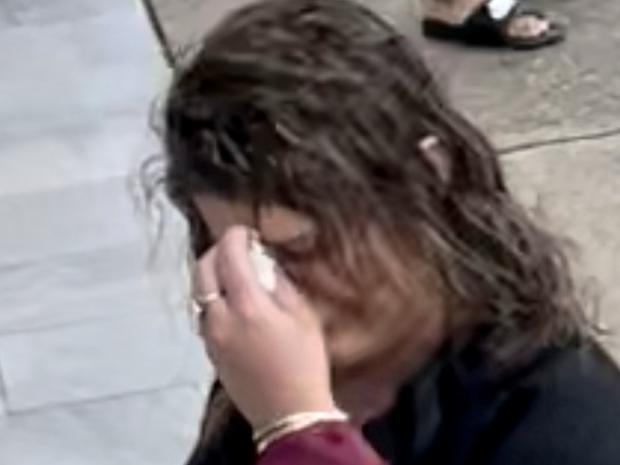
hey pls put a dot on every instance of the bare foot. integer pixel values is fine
(527, 26)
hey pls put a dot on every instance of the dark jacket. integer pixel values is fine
(562, 408)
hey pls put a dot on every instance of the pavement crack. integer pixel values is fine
(536, 144)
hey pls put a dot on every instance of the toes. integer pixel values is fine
(528, 26)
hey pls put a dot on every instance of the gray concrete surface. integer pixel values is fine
(97, 362)
(574, 190)
(515, 96)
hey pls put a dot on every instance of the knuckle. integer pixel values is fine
(217, 336)
(233, 234)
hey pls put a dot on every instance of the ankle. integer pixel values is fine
(500, 9)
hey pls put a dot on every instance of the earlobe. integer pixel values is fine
(435, 155)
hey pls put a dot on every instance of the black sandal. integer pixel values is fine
(482, 30)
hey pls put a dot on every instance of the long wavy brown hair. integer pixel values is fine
(320, 106)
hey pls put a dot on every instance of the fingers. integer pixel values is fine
(288, 297)
(243, 293)
(204, 280)
(227, 267)
(206, 285)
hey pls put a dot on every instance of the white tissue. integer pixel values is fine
(264, 266)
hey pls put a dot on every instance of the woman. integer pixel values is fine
(450, 322)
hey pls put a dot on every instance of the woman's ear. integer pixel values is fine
(436, 156)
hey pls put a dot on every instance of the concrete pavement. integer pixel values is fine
(97, 363)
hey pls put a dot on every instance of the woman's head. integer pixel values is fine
(317, 123)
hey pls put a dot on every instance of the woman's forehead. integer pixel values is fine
(277, 224)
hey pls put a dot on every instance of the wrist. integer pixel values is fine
(288, 407)
(293, 423)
